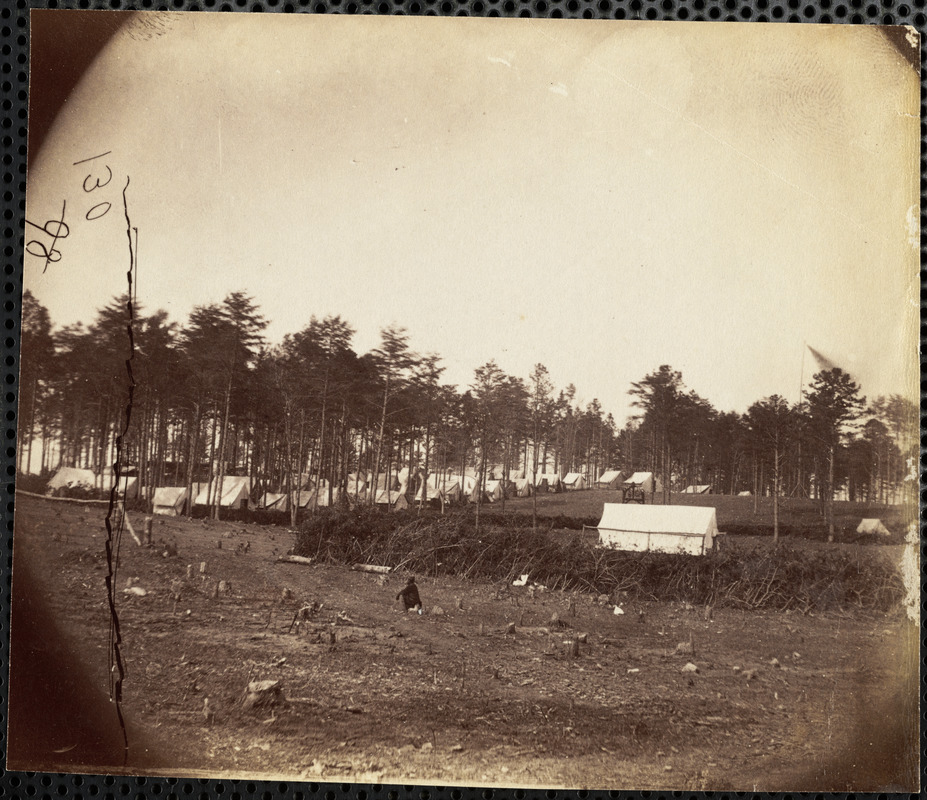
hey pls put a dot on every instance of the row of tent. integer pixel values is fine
(170, 500)
(237, 490)
(450, 488)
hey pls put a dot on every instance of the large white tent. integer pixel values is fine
(609, 479)
(658, 529)
(169, 500)
(523, 487)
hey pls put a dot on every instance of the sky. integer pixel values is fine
(600, 197)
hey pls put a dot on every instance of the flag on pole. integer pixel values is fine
(823, 361)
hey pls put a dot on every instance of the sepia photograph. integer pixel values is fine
(469, 402)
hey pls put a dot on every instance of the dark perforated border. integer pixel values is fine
(14, 15)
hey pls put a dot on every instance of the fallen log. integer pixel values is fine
(294, 560)
(63, 499)
(371, 568)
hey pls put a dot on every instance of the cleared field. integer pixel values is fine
(776, 701)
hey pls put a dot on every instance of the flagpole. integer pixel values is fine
(801, 379)
(801, 397)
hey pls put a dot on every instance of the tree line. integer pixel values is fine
(212, 397)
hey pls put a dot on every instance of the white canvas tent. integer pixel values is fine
(609, 479)
(574, 481)
(128, 484)
(395, 500)
(450, 491)
(698, 489)
(550, 481)
(128, 487)
(467, 484)
(745, 494)
(381, 482)
(236, 492)
(355, 485)
(493, 491)
(322, 495)
(644, 481)
(73, 478)
(658, 529)
(169, 500)
(274, 500)
(873, 526)
(301, 499)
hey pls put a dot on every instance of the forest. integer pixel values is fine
(180, 404)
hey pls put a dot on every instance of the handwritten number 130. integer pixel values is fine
(92, 183)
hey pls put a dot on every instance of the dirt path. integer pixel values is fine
(778, 702)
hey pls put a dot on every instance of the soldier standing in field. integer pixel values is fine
(410, 596)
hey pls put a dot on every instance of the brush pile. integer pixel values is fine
(784, 578)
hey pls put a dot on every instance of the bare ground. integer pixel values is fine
(779, 702)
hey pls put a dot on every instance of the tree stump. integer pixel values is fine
(263, 694)
(148, 523)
